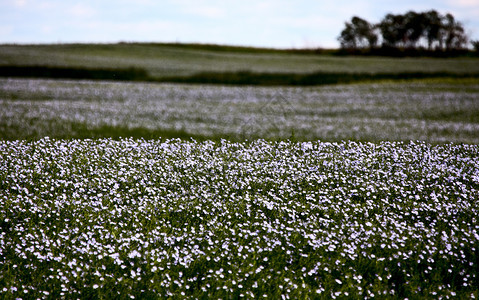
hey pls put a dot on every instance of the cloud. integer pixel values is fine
(466, 11)
(109, 31)
(210, 12)
(82, 10)
(6, 30)
(19, 3)
(465, 3)
(200, 8)
(47, 29)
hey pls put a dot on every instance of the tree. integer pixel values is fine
(414, 24)
(432, 29)
(358, 33)
(453, 33)
(347, 39)
(393, 30)
(402, 30)
(475, 44)
(410, 30)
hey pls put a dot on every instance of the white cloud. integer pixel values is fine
(202, 8)
(19, 3)
(45, 6)
(211, 12)
(46, 29)
(467, 12)
(82, 10)
(106, 31)
(6, 30)
(465, 3)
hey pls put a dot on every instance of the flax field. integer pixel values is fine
(153, 190)
(134, 218)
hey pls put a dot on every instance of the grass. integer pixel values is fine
(184, 219)
(172, 60)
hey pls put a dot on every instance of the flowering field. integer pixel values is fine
(155, 218)
(433, 111)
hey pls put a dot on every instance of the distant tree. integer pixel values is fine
(411, 30)
(453, 33)
(403, 30)
(475, 44)
(415, 24)
(393, 30)
(432, 29)
(347, 39)
(358, 33)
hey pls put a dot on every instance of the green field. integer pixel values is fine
(137, 188)
(165, 60)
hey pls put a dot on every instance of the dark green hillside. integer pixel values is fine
(179, 60)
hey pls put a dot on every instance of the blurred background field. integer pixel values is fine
(171, 60)
(436, 111)
(395, 99)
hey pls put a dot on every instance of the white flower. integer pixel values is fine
(134, 254)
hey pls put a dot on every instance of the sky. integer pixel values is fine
(259, 23)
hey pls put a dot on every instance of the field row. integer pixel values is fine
(435, 111)
(158, 218)
(223, 78)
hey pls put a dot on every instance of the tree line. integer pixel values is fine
(425, 31)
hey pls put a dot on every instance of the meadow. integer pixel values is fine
(435, 111)
(146, 189)
(136, 218)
